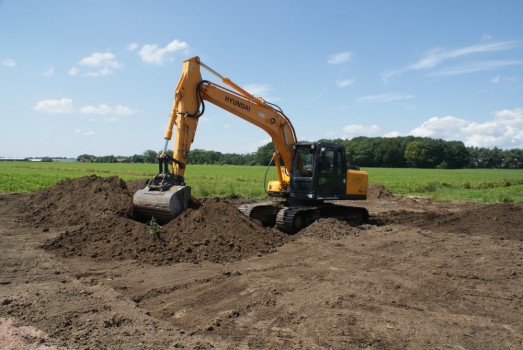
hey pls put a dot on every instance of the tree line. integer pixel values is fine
(426, 152)
(384, 152)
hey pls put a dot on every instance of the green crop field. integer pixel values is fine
(483, 185)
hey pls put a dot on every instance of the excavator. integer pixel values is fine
(312, 177)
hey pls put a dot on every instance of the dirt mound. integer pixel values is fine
(80, 201)
(329, 228)
(100, 209)
(377, 191)
(482, 219)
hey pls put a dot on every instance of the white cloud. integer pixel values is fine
(339, 57)
(388, 97)
(104, 109)
(98, 59)
(157, 55)
(263, 142)
(344, 83)
(97, 64)
(9, 62)
(48, 72)
(499, 79)
(392, 134)
(436, 56)
(261, 90)
(505, 130)
(258, 90)
(83, 132)
(63, 105)
(73, 71)
(510, 116)
(132, 46)
(350, 131)
(448, 128)
(472, 67)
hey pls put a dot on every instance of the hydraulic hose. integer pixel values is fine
(201, 102)
(265, 176)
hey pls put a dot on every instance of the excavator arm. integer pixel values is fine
(189, 104)
(167, 195)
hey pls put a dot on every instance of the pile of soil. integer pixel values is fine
(96, 214)
(377, 191)
(474, 219)
(330, 229)
(80, 201)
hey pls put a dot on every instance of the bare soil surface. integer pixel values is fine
(78, 272)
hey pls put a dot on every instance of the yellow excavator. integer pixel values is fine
(312, 176)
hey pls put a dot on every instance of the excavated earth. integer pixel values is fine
(78, 271)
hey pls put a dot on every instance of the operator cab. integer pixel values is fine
(319, 171)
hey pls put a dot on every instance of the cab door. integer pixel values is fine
(330, 172)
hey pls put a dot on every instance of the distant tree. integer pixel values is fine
(390, 153)
(426, 153)
(513, 159)
(264, 153)
(200, 156)
(337, 141)
(486, 158)
(138, 158)
(457, 156)
(435, 152)
(361, 151)
(86, 158)
(496, 159)
(197, 156)
(106, 159)
(416, 154)
(46, 159)
(149, 156)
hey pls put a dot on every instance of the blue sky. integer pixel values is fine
(97, 77)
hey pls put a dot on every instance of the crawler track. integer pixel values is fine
(291, 219)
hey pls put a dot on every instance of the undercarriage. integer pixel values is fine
(291, 217)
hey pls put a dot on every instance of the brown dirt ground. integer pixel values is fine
(78, 272)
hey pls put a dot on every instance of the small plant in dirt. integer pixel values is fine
(201, 250)
(154, 229)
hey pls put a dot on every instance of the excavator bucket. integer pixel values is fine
(162, 205)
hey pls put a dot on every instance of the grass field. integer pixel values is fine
(483, 185)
